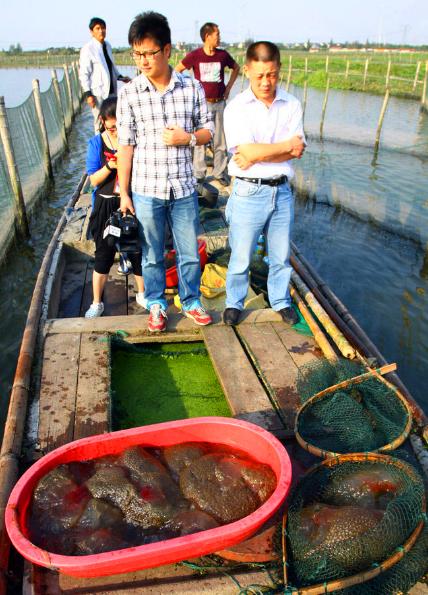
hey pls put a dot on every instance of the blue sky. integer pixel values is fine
(37, 24)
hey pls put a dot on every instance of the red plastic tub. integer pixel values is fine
(171, 272)
(247, 437)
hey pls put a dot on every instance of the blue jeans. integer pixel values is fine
(253, 209)
(183, 217)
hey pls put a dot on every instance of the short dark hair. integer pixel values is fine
(96, 21)
(207, 29)
(152, 25)
(263, 51)
(107, 111)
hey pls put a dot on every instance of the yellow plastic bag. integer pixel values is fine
(213, 280)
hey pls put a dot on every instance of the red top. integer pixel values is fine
(210, 70)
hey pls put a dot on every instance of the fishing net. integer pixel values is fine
(355, 417)
(351, 514)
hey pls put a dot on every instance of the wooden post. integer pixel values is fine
(324, 106)
(305, 96)
(388, 72)
(418, 67)
(380, 122)
(42, 123)
(70, 92)
(424, 88)
(21, 221)
(347, 70)
(60, 111)
(326, 64)
(366, 67)
(290, 62)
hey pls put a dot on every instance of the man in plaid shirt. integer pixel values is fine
(161, 115)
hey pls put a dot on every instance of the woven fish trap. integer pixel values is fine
(362, 413)
(350, 521)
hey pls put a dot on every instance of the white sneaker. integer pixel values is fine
(94, 310)
(129, 267)
(141, 300)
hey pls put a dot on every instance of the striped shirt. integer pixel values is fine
(143, 113)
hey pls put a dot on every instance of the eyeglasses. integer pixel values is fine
(148, 55)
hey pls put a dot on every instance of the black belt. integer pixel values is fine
(267, 181)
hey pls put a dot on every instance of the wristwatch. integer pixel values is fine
(193, 140)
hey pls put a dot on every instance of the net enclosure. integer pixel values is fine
(349, 408)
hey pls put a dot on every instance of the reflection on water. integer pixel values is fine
(390, 190)
(353, 117)
(380, 277)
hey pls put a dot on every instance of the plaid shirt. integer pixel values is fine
(142, 115)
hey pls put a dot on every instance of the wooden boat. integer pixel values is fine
(62, 382)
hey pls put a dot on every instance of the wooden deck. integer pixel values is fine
(257, 365)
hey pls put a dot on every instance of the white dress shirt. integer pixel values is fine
(93, 70)
(249, 120)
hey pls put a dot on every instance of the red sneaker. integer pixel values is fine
(157, 319)
(198, 315)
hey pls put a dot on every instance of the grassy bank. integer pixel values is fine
(403, 73)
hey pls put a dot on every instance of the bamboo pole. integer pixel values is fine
(326, 64)
(424, 88)
(306, 67)
(69, 90)
(324, 106)
(59, 106)
(305, 97)
(366, 67)
(318, 334)
(20, 219)
(380, 122)
(290, 62)
(281, 78)
(15, 421)
(347, 70)
(46, 150)
(415, 80)
(388, 74)
(336, 335)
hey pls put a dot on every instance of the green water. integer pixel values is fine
(152, 383)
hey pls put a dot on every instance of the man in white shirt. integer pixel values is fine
(264, 132)
(97, 72)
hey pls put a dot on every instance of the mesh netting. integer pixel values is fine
(53, 120)
(346, 516)
(65, 101)
(27, 145)
(357, 418)
(401, 577)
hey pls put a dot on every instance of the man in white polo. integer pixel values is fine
(97, 72)
(264, 132)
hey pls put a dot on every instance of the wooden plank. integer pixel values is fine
(115, 295)
(164, 580)
(58, 390)
(277, 368)
(93, 385)
(241, 386)
(135, 325)
(303, 349)
(85, 200)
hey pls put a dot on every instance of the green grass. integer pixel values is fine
(163, 382)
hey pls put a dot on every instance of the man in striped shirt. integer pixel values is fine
(161, 115)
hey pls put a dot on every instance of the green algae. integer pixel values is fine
(159, 382)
